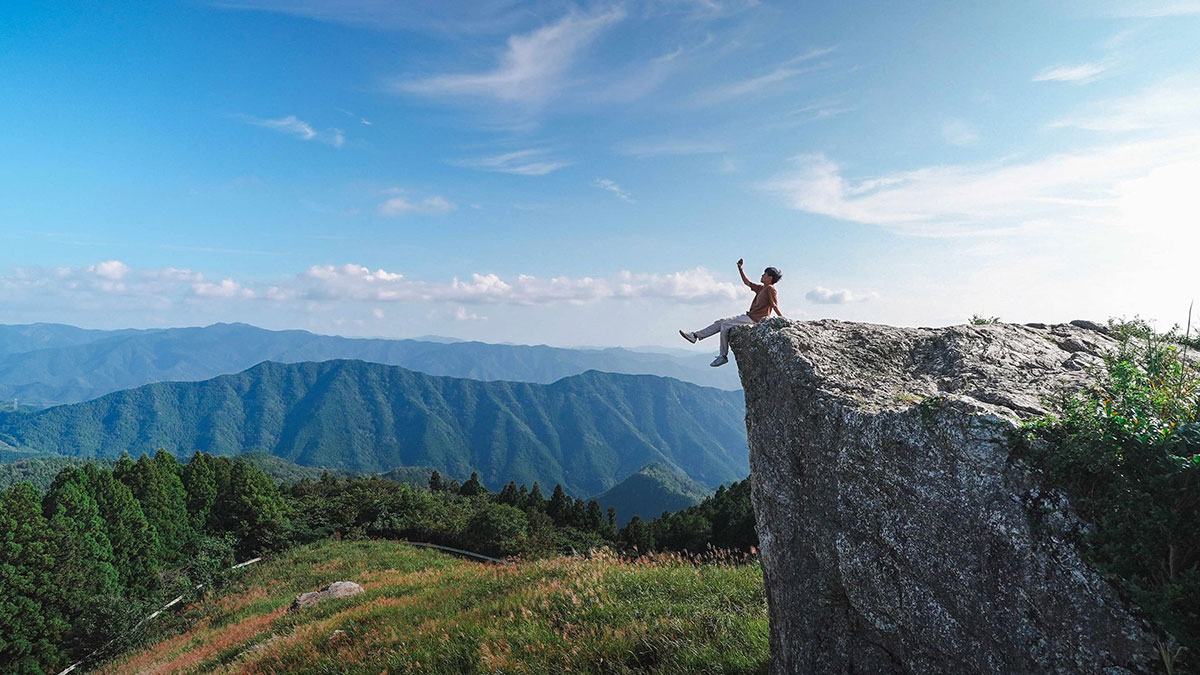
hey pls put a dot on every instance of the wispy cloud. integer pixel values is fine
(401, 206)
(611, 186)
(298, 128)
(531, 69)
(972, 199)
(1172, 104)
(1077, 74)
(532, 162)
(756, 85)
(827, 296)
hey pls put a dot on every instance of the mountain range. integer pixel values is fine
(50, 364)
(587, 431)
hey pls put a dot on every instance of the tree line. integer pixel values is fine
(82, 563)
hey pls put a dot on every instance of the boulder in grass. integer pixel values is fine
(338, 589)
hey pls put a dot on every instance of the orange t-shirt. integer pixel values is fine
(764, 297)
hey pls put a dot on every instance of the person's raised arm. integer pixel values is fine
(745, 279)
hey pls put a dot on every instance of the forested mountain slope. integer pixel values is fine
(587, 431)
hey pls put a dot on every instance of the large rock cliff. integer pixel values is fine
(898, 533)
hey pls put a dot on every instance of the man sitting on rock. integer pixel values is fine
(765, 300)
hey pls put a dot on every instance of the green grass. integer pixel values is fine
(430, 613)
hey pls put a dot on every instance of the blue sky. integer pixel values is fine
(587, 173)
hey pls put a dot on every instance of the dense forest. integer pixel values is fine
(84, 562)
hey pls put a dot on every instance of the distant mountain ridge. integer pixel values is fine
(49, 364)
(587, 431)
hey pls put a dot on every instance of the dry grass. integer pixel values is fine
(428, 613)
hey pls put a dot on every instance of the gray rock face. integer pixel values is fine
(898, 536)
(338, 589)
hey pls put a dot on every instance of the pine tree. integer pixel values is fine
(595, 517)
(559, 508)
(523, 500)
(200, 486)
(536, 500)
(472, 487)
(30, 623)
(638, 535)
(257, 514)
(159, 490)
(85, 573)
(133, 542)
(509, 495)
(435, 481)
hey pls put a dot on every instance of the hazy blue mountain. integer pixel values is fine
(652, 490)
(28, 337)
(70, 373)
(587, 431)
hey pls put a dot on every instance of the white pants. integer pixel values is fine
(722, 326)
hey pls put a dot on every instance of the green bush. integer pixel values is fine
(1127, 451)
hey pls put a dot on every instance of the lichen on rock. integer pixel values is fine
(898, 533)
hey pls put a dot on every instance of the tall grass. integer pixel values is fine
(429, 613)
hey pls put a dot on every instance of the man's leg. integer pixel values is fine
(713, 328)
(726, 324)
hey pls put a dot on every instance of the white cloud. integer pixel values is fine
(113, 270)
(531, 69)
(323, 287)
(960, 133)
(966, 199)
(756, 85)
(611, 186)
(531, 162)
(827, 296)
(461, 314)
(1078, 74)
(226, 288)
(399, 206)
(1171, 104)
(300, 129)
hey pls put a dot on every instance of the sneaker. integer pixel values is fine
(719, 361)
(690, 337)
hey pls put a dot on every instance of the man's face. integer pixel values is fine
(765, 278)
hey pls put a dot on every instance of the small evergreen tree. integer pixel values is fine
(200, 486)
(638, 536)
(509, 495)
(536, 500)
(559, 508)
(472, 487)
(435, 481)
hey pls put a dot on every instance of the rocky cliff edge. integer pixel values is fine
(898, 533)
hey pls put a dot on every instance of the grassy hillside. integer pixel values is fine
(429, 613)
(76, 365)
(652, 490)
(586, 432)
